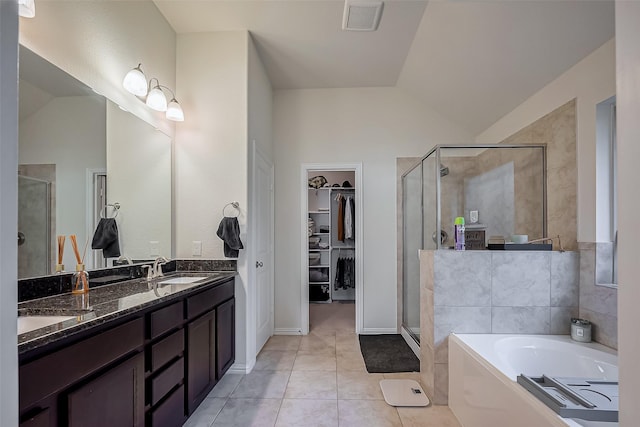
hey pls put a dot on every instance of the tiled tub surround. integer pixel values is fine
(598, 303)
(45, 286)
(104, 304)
(490, 292)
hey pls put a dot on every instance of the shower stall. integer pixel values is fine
(34, 227)
(499, 189)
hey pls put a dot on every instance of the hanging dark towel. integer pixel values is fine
(229, 232)
(106, 238)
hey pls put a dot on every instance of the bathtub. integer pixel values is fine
(483, 368)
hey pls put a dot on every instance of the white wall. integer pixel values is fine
(368, 125)
(591, 81)
(98, 42)
(628, 127)
(211, 150)
(8, 212)
(70, 133)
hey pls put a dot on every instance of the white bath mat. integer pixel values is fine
(403, 393)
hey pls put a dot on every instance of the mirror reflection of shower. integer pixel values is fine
(34, 226)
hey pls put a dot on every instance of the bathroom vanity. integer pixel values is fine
(135, 353)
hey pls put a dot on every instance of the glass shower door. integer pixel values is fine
(412, 242)
(34, 229)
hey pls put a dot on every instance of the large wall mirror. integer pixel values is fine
(79, 155)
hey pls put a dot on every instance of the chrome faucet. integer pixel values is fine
(154, 271)
(157, 266)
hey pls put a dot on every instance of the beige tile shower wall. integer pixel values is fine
(558, 131)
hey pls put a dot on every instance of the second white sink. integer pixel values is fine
(182, 280)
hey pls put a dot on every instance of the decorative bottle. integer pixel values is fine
(459, 233)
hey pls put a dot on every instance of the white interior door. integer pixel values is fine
(263, 187)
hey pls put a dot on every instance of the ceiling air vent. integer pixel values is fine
(360, 15)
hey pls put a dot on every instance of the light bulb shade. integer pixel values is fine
(174, 111)
(156, 99)
(135, 82)
(27, 8)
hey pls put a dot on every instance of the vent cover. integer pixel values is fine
(361, 15)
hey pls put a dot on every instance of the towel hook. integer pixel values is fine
(115, 206)
(235, 205)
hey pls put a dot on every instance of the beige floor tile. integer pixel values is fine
(312, 385)
(248, 413)
(356, 385)
(308, 413)
(262, 385)
(318, 344)
(347, 343)
(275, 360)
(226, 385)
(310, 362)
(369, 413)
(206, 412)
(283, 342)
(431, 416)
(351, 362)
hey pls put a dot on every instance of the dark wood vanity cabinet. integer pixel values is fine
(201, 363)
(154, 369)
(225, 337)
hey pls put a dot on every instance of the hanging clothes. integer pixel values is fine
(345, 274)
(341, 205)
(349, 214)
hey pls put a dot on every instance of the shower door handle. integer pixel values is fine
(259, 264)
(21, 238)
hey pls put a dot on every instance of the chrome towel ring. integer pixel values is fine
(116, 209)
(234, 205)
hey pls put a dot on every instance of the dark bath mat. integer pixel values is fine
(388, 353)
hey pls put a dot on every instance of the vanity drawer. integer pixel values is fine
(207, 300)
(62, 368)
(165, 350)
(165, 319)
(165, 381)
(171, 412)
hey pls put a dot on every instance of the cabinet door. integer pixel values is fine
(41, 419)
(116, 398)
(201, 359)
(225, 336)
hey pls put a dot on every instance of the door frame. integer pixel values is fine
(359, 251)
(252, 310)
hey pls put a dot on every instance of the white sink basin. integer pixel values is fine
(31, 323)
(182, 280)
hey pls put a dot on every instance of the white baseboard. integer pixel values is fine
(287, 331)
(410, 342)
(242, 368)
(378, 331)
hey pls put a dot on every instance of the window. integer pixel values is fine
(606, 193)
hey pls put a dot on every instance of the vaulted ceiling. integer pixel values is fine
(472, 61)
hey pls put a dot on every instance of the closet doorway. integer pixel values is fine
(331, 243)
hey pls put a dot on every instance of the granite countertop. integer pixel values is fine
(104, 304)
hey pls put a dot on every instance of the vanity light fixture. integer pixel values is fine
(135, 82)
(155, 98)
(27, 8)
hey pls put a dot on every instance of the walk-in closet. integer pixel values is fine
(331, 236)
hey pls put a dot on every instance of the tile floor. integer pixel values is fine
(318, 380)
